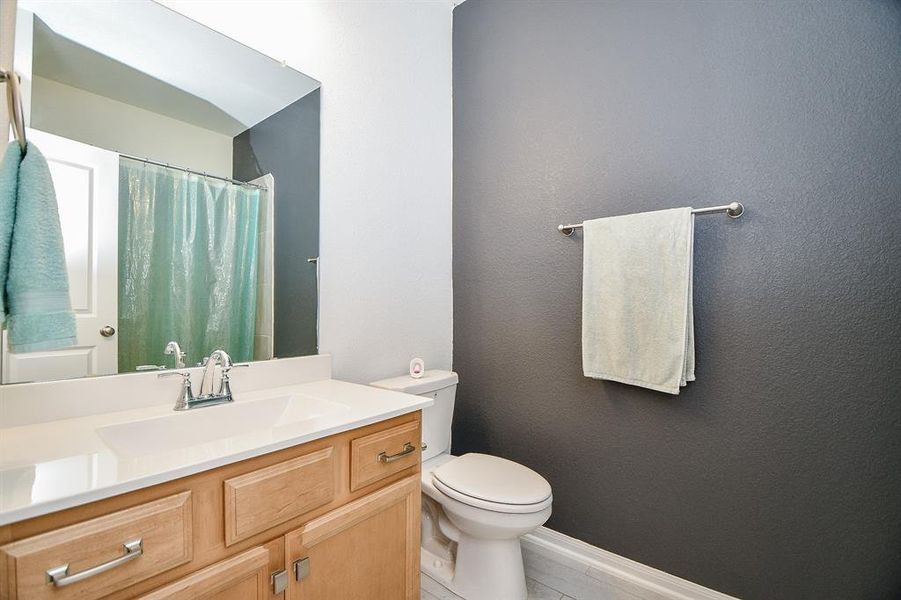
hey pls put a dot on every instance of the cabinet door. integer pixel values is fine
(241, 577)
(365, 550)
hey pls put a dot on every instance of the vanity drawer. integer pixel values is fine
(99, 562)
(262, 499)
(383, 453)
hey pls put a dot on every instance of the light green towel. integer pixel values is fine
(36, 305)
(637, 323)
(9, 179)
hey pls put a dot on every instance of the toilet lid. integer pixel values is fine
(493, 479)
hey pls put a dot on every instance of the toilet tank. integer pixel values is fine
(441, 386)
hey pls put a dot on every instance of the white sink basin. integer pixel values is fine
(178, 430)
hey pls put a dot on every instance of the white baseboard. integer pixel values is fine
(615, 567)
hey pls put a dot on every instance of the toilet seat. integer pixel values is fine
(493, 483)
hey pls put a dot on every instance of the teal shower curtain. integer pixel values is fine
(187, 265)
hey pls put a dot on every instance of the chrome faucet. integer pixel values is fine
(187, 400)
(173, 348)
(217, 357)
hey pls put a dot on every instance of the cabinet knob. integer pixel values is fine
(279, 581)
(301, 568)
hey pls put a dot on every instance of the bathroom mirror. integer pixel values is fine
(186, 167)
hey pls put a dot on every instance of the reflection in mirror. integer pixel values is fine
(186, 169)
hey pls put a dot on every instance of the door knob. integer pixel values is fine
(107, 331)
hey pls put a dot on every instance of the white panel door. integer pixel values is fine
(86, 180)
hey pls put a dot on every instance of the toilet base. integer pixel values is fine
(483, 570)
(474, 552)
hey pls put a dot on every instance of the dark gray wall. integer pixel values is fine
(287, 145)
(777, 474)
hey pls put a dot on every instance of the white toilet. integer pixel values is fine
(474, 507)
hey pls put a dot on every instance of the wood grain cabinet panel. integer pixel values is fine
(221, 533)
(164, 527)
(365, 550)
(394, 443)
(262, 499)
(242, 577)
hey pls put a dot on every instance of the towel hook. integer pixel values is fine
(14, 101)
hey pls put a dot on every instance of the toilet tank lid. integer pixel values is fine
(430, 381)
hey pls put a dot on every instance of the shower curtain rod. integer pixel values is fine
(186, 170)
(734, 210)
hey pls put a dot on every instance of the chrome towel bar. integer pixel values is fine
(734, 210)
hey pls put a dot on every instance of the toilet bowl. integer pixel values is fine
(475, 507)
(483, 517)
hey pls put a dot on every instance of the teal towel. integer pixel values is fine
(36, 305)
(9, 179)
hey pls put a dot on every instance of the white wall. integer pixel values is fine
(7, 48)
(15, 36)
(385, 225)
(100, 121)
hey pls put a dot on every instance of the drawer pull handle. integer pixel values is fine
(59, 576)
(385, 458)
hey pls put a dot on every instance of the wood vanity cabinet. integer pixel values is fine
(332, 519)
(366, 549)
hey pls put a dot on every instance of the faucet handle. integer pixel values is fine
(184, 374)
(228, 368)
(224, 384)
(186, 395)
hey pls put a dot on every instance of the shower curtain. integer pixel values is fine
(187, 265)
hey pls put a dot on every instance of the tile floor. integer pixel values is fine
(556, 578)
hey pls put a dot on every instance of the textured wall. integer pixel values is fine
(287, 145)
(777, 474)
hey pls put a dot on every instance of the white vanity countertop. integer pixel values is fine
(50, 466)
